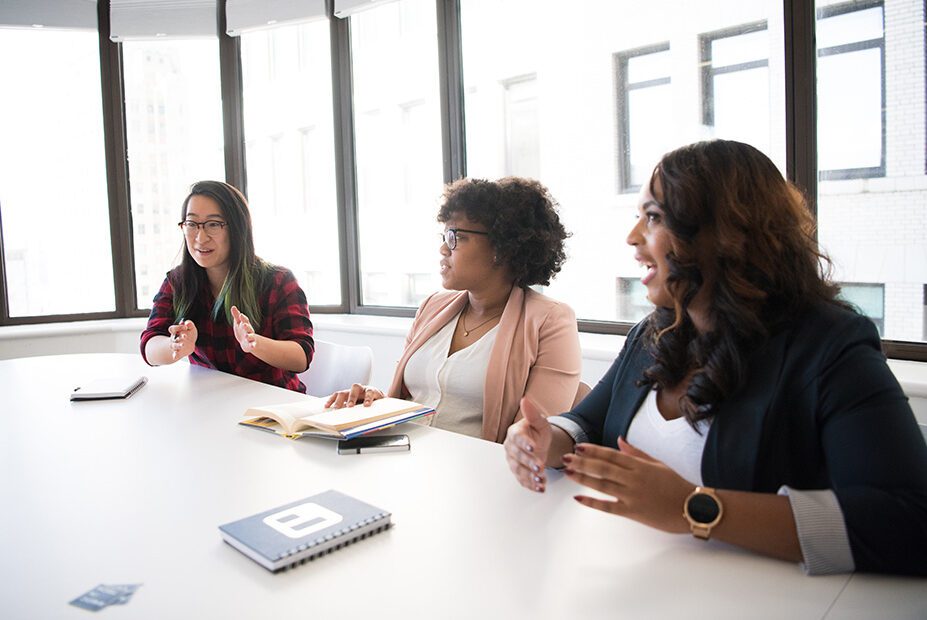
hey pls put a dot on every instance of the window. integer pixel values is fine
(174, 139)
(591, 106)
(53, 194)
(851, 94)
(868, 299)
(872, 189)
(290, 153)
(633, 304)
(735, 85)
(397, 146)
(522, 142)
(644, 107)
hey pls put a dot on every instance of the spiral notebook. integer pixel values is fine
(300, 531)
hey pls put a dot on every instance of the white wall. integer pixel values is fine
(385, 335)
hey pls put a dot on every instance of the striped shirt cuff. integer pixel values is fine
(822, 532)
(571, 428)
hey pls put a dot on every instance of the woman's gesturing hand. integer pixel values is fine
(644, 488)
(183, 339)
(349, 398)
(244, 333)
(526, 445)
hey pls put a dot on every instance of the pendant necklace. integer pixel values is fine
(463, 320)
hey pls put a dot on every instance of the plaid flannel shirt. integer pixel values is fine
(285, 317)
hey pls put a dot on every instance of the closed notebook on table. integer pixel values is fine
(109, 388)
(300, 531)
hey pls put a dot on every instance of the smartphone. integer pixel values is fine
(374, 443)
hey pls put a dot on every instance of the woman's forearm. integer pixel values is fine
(284, 354)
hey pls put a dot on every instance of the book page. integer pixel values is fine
(349, 417)
(288, 415)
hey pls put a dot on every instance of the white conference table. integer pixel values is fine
(133, 492)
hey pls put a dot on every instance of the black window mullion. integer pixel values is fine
(345, 160)
(801, 139)
(114, 135)
(231, 87)
(450, 76)
(4, 290)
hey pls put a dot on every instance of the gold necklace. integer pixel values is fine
(463, 319)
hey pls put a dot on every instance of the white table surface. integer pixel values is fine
(134, 491)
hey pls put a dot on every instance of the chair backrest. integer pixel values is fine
(581, 391)
(336, 366)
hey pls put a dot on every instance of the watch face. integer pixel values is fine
(703, 508)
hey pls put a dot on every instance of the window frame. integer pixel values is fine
(709, 71)
(842, 174)
(622, 111)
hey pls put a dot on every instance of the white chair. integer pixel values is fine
(336, 366)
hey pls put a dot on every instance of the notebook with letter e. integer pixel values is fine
(295, 533)
(109, 388)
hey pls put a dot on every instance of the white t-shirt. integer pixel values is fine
(452, 385)
(674, 442)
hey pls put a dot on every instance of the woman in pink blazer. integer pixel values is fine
(475, 350)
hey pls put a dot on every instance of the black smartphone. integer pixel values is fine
(374, 443)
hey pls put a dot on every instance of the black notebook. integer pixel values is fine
(288, 535)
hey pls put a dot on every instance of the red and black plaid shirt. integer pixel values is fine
(285, 317)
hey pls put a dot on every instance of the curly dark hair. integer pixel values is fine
(521, 217)
(740, 226)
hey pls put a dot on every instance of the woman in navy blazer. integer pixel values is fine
(799, 442)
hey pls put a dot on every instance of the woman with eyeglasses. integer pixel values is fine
(224, 307)
(473, 352)
(752, 406)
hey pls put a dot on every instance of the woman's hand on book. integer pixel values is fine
(244, 333)
(357, 393)
(183, 339)
(527, 443)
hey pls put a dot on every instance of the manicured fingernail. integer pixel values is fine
(579, 449)
(578, 498)
(537, 479)
(535, 468)
(567, 458)
(569, 471)
(529, 448)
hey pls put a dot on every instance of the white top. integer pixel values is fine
(452, 385)
(674, 442)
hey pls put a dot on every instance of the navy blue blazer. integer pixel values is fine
(819, 409)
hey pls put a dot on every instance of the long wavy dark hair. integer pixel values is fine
(740, 228)
(247, 272)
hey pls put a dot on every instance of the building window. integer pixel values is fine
(869, 299)
(174, 86)
(644, 110)
(735, 84)
(632, 302)
(522, 139)
(290, 152)
(851, 90)
(397, 145)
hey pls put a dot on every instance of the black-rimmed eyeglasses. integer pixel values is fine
(212, 227)
(449, 236)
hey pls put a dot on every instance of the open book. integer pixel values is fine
(310, 418)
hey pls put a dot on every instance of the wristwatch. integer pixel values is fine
(703, 511)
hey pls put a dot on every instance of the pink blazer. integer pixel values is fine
(536, 354)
